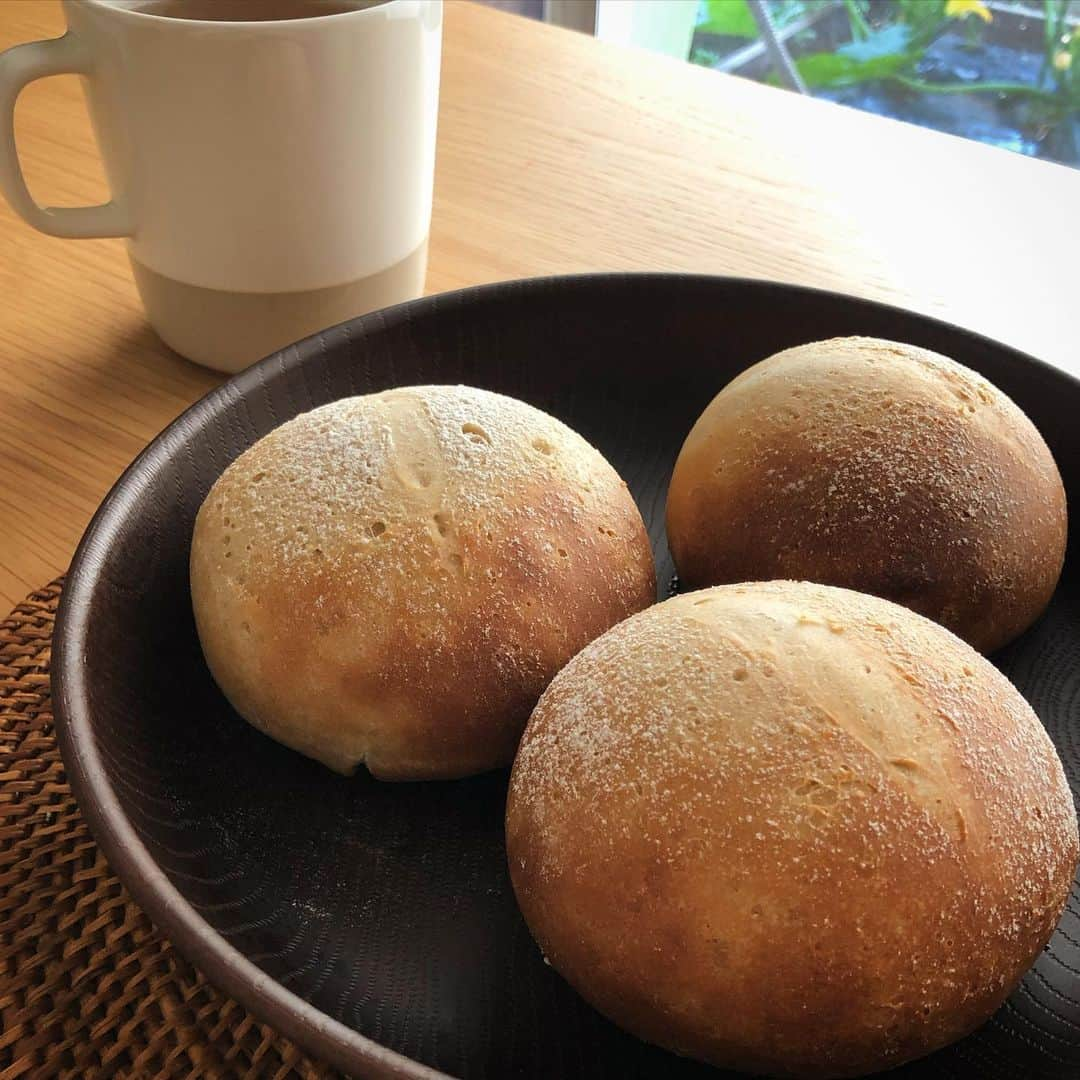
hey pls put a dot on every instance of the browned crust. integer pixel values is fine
(879, 467)
(824, 835)
(434, 588)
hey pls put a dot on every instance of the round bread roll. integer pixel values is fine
(824, 835)
(394, 579)
(881, 467)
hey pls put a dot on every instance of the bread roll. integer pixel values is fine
(881, 467)
(824, 836)
(393, 579)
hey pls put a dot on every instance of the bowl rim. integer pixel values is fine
(220, 962)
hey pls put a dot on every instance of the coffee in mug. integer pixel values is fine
(247, 10)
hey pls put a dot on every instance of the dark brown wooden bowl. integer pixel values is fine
(374, 923)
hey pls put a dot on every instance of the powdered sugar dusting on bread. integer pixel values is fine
(797, 771)
(881, 467)
(385, 456)
(776, 667)
(414, 535)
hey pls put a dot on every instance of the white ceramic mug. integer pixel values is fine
(273, 176)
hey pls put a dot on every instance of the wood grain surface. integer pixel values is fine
(556, 154)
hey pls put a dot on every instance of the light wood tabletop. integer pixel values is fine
(556, 154)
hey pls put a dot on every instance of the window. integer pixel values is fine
(1004, 72)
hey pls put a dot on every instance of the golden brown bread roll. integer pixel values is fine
(880, 467)
(789, 829)
(393, 579)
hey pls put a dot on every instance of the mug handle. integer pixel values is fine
(21, 65)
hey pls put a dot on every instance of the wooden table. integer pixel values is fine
(556, 154)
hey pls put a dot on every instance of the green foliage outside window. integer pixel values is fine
(887, 42)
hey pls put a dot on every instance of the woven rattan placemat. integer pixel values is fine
(89, 988)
